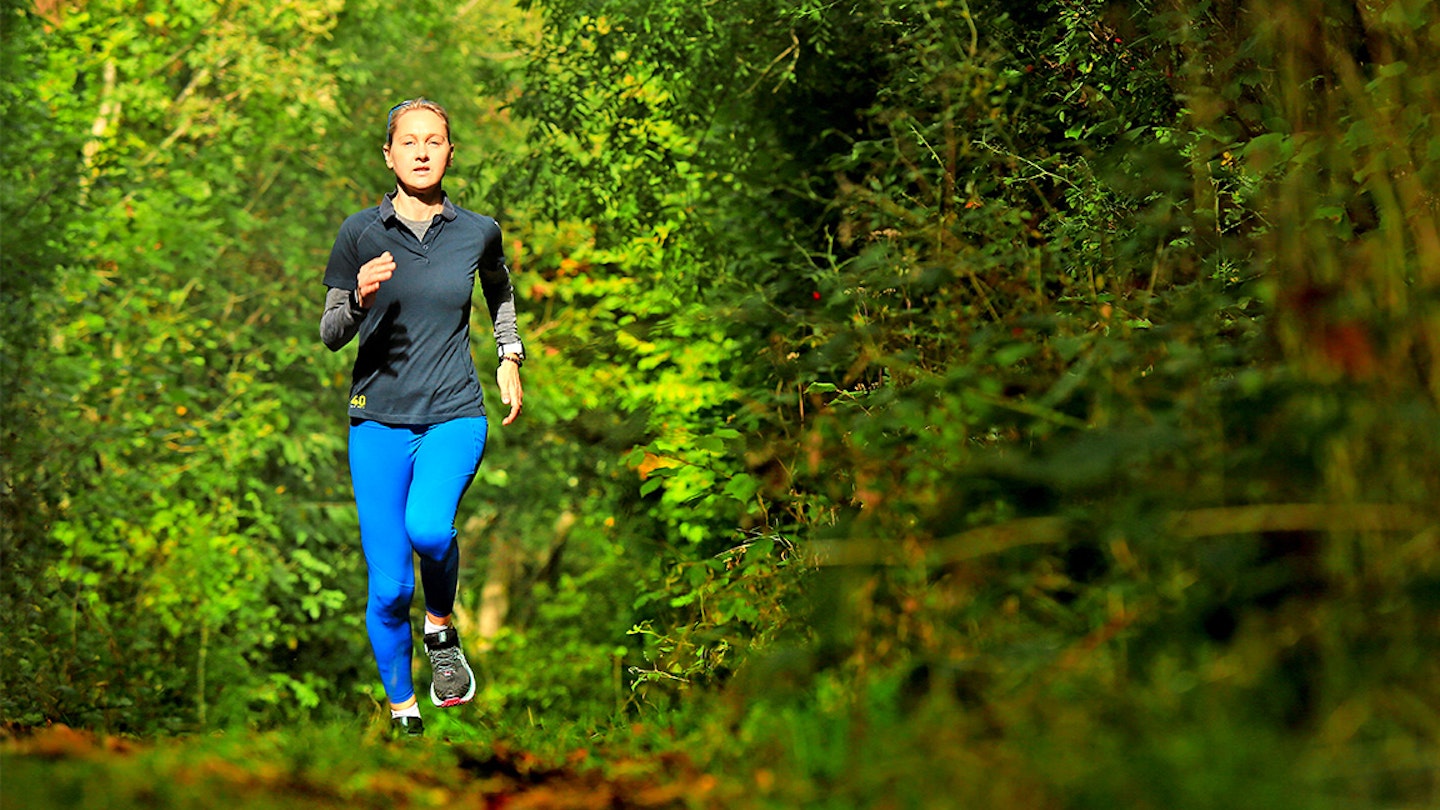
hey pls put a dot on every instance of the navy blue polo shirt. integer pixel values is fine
(414, 365)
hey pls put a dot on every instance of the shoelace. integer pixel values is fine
(446, 661)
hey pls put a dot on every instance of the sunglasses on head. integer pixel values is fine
(390, 119)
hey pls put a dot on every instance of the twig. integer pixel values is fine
(1044, 172)
(1190, 524)
(793, 49)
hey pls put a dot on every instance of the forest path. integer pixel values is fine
(60, 767)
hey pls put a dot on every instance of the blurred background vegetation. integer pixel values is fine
(1016, 403)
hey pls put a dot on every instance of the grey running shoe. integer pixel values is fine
(452, 681)
(402, 728)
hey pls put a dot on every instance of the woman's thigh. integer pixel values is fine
(445, 462)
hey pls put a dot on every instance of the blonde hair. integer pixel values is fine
(414, 104)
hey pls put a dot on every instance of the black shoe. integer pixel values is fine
(452, 681)
(406, 727)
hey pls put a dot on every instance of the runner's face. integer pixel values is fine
(420, 151)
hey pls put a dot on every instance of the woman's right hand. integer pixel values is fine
(372, 273)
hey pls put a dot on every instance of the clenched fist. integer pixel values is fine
(372, 274)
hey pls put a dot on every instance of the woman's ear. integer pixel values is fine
(386, 150)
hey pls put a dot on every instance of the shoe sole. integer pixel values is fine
(456, 701)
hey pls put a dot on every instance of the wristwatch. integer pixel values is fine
(514, 352)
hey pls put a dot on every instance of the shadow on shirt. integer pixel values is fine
(386, 348)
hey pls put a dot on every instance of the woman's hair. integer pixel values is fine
(414, 104)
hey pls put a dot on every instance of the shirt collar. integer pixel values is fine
(387, 207)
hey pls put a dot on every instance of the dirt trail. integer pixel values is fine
(63, 767)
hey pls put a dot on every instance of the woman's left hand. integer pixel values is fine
(511, 392)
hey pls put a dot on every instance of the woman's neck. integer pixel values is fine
(421, 206)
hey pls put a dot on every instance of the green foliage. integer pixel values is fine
(713, 612)
(1067, 371)
(34, 197)
(176, 439)
(1019, 269)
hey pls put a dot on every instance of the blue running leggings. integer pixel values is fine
(408, 481)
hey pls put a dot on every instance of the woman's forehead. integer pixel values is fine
(419, 122)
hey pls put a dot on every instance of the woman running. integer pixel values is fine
(401, 276)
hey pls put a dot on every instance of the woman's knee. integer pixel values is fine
(390, 599)
(431, 539)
